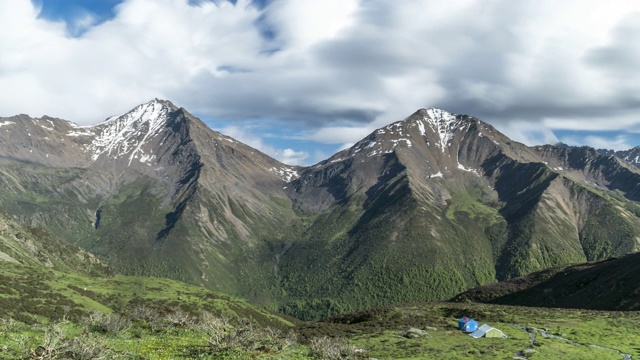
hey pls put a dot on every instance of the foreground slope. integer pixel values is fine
(419, 331)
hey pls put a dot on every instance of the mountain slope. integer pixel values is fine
(153, 191)
(439, 202)
(632, 156)
(601, 285)
(33, 247)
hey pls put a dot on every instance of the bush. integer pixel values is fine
(55, 345)
(108, 323)
(327, 348)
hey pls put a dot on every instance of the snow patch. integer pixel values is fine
(395, 142)
(635, 160)
(285, 173)
(444, 124)
(144, 158)
(438, 174)
(79, 133)
(463, 168)
(423, 131)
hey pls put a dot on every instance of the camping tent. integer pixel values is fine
(488, 331)
(467, 324)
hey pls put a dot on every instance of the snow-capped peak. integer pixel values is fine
(142, 112)
(124, 135)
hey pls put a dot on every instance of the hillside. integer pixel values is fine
(418, 331)
(34, 247)
(600, 285)
(418, 210)
(35, 294)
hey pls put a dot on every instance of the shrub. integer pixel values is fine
(108, 323)
(55, 345)
(180, 318)
(327, 348)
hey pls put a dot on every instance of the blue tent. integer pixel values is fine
(467, 324)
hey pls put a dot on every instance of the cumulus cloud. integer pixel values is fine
(334, 69)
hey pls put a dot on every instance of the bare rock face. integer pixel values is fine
(418, 210)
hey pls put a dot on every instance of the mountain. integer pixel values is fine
(599, 285)
(632, 156)
(418, 210)
(441, 201)
(153, 191)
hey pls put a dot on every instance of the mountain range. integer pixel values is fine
(418, 210)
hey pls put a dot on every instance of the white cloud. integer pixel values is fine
(339, 134)
(619, 142)
(336, 69)
(246, 135)
(292, 157)
(529, 133)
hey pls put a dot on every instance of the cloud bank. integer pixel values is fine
(333, 69)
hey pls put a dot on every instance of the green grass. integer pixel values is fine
(469, 202)
(166, 319)
(379, 332)
(35, 294)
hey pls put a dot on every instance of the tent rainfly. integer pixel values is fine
(488, 331)
(467, 324)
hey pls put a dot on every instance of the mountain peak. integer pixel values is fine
(144, 112)
(437, 114)
(126, 133)
(442, 122)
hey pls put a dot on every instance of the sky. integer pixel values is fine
(302, 79)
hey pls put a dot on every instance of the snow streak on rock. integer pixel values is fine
(444, 124)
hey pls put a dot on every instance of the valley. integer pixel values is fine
(168, 229)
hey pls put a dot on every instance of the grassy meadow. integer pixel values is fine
(52, 315)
